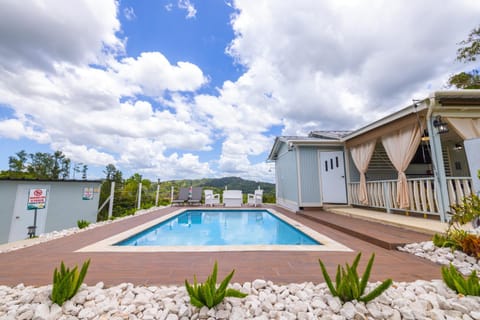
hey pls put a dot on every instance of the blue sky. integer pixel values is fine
(193, 89)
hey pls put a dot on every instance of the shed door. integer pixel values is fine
(22, 217)
(333, 177)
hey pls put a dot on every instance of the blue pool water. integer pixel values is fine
(220, 227)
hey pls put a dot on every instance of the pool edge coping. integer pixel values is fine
(108, 244)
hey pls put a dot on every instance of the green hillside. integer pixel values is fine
(219, 184)
(126, 192)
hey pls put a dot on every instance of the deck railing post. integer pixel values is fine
(386, 192)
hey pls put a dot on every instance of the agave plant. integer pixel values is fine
(348, 285)
(207, 294)
(66, 282)
(455, 281)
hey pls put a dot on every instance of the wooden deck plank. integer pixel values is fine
(34, 265)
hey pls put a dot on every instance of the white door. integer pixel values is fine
(22, 217)
(333, 177)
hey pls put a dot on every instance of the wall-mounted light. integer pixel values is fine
(441, 126)
(425, 136)
(458, 147)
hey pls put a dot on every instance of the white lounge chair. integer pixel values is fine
(232, 198)
(211, 198)
(255, 198)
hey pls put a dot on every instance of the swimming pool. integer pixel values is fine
(220, 227)
(110, 244)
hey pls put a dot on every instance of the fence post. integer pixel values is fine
(110, 205)
(158, 192)
(139, 196)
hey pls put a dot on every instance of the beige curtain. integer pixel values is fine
(361, 156)
(467, 128)
(401, 147)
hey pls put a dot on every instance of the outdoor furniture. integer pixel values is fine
(232, 198)
(195, 196)
(211, 198)
(255, 198)
(182, 197)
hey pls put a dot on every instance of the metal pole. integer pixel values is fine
(158, 192)
(35, 222)
(171, 196)
(110, 206)
(139, 195)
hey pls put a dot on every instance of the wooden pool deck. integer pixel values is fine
(34, 265)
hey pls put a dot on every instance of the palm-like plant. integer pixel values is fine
(207, 294)
(349, 286)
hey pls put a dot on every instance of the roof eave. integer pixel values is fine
(414, 108)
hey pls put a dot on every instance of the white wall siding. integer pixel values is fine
(65, 206)
(286, 171)
(309, 177)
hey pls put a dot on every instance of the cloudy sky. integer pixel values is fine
(177, 89)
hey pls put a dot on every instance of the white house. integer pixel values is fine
(421, 159)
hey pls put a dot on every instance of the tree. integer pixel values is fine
(468, 52)
(84, 172)
(42, 165)
(471, 47)
(110, 171)
(19, 163)
(120, 205)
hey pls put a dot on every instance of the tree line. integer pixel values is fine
(468, 52)
(43, 165)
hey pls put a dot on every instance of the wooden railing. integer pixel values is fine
(458, 188)
(422, 194)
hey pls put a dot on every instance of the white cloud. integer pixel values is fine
(189, 7)
(38, 34)
(154, 74)
(12, 129)
(339, 64)
(129, 13)
(309, 65)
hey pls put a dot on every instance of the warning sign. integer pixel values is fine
(37, 199)
(87, 193)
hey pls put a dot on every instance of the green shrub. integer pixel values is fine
(207, 294)
(348, 286)
(465, 212)
(66, 282)
(83, 224)
(439, 240)
(455, 281)
(453, 238)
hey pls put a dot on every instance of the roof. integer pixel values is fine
(334, 135)
(311, 140)
(467, 99)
